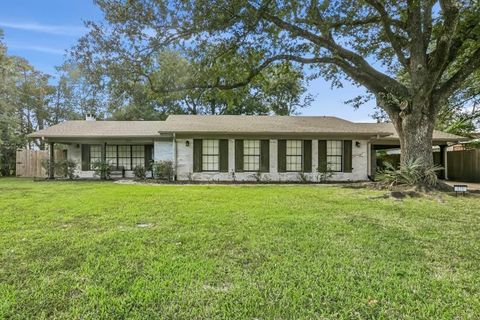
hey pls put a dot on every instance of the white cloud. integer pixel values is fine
(44, 28)
(43, 49)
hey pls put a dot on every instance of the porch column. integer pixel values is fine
(443, 161)
(51, 167)
(104, 157)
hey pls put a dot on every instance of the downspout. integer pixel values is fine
(370, 174)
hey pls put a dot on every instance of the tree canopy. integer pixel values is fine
(435, 44)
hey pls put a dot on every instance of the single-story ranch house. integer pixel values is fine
(232, 147)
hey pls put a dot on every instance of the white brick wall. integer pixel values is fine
(185, 165)
(163, 150)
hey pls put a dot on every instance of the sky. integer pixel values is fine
(42, 30)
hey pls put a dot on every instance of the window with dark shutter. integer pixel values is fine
(85, 157)
(322, 155)
(265, 155)
(223, 155)
(307, 155)
(347, 156)
(282, 156)
(238, 155)
(197, 155)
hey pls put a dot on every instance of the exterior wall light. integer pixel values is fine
(357, 144)
(187, 143)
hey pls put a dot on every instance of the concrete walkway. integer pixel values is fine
(472, 186)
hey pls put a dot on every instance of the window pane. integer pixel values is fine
(111, 155)
(210, 155)
(251, 155)
(124, 157)
(138, 156)
(294, 155)
(95, 154)
(334, 155)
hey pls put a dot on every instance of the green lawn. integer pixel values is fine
(76, 251)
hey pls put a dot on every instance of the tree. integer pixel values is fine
(435, 42)
(135, 82)
(26, 104)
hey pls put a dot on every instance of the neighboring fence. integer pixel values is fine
(29, 162)
(464, 165)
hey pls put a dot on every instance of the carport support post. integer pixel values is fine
(104, 160)
(51, 166)
(443, 159)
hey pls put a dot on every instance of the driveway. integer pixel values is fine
(472, 186)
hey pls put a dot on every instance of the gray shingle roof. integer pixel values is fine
(234, 124)
(102, 129)
(388, 127)
(227, 124)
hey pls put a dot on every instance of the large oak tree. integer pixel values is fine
(434, 44)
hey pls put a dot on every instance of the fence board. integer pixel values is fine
(464, 165)
(29, 162)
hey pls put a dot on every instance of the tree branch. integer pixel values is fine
(328, 43)
(394, 40)
(452, 84)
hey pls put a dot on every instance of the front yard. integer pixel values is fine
(107, 251)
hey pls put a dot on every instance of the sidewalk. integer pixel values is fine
(470, 185)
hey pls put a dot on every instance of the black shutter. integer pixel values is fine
(322, 155)
(282, 156)
(347, 156)
(85, 157)
(265, 155)
(238, 155)
(223, 154)
(197, 155)
(148, 155)
(307, 155)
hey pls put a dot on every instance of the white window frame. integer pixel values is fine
(294, 156)
(211, 155)
(335, 152)
(251, 155)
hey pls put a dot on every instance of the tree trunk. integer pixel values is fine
(415, 130)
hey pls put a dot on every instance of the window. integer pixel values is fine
(95, 154)
(138, 156)
(127, 157)
(251, 155)
(334, 155)
(124, 157)
(294, 155)
(210, 155)
(111, 155)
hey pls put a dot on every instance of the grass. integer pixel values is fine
(86, 250)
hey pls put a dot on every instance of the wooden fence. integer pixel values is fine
(29, 162)
(464, 165)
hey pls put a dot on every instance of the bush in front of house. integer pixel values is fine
(101, 169)
(163, 170)
(324, 172)
(411, 173)
(140, 172)
(63, 168)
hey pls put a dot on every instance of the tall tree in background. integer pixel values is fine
(435, 42)
(135, 80)
(28, 102)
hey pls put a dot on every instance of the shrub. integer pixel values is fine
(302, 177)
(324, 172)
(163, 170)
(412, 173)
(63, 168)
(140, 172)
(102, 169)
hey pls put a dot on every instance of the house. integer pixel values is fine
(232, 147)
